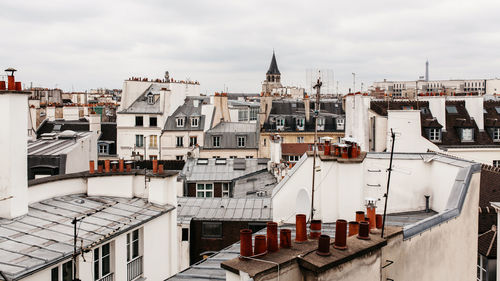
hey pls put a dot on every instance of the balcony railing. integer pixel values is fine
(134, 268)
(108, 277)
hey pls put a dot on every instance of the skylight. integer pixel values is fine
(202, 161)
(220, 161)
(451, 109)
(497, 108)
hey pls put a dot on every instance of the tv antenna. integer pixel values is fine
(386, 195)
(315, 148)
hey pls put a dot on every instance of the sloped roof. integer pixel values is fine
(487, 243)
(187, 110)
(195, 171)
(141, 105)
(273, 67)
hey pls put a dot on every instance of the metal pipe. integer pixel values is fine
(393, 136)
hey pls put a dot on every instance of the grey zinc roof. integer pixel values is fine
(44, 236)
(141, 105)
(209, 269)
(229, 131)
(55, 146)
(193, 171)
(187, 110)
(227, 209)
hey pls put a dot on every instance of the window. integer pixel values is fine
(243, 114)
(482, 264)
(211, 229)
(264, 141)
(205, 190)
(103, 149)
(249, 157)
(225, 189)
(241, 140)
(233, 157)
(180, 122)
(293, 158)
(179, 157)
(193, 141)
(133, 245)
(153, 121)
(102, 262)
(153, 157)
(139, 140)
(185, 234)
(300, 123)
(434, 134)
(151, 98)
(321, 123)
(300, 139)
(179, 141)
(153, 141)
(254, 111)
(194, 122)
(280, 123)
(451, 109)
(497, 108)
(340, 123)
(496, 163)
(496, 134)
(467, 134)
(139, 121)
(63, 272)
(216, 141)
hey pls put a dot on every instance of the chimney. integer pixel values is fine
(370, 211)
(91, 166)
(474, 106)
(285, 238)
(437, 105)
(340, 235)
(353, 228)
(323, 245)
(300, 228)
(260, 247)
(272, 236)
(360, 216)
(364, 231)
(120, 165)
(155, 166)
(11, 81)
(307, 105)
(275, 147)
(221, 112)
(315, 229)
(245, 243)
(106, 165)
(13, 148)
(379, 221)
(95, 123)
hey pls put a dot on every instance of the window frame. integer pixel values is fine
(59, 271)
(225, 190)
(211, 236)
(216, 143)
(179, 143)
(191, 142)
(155, 121)
(139, 140)
(434, 134)
(495, 134)
(482, 268)
(243, 115)
(195, 122)
(280, 122)
(202, 192)
(105, 150)
(254, 113)
(130, 240)
(463, 134)
(179, 122)
(153, 141)
(179, 157)
(300, 139)
(300, 123)
(340, 122)
(151, 98)
(241, 141)
(99, 260)
(496, 163)
(139, 121)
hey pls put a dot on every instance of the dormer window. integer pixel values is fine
(321, 123)
(496, 134)
(435, 135)
(180, 122)
(467, 134)
(300, 124)
(194, 121)
(451, 109)
(151, 98)
(280, 123)
(340, 123)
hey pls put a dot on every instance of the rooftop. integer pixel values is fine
(44, 236)
(58, 145)
(202, 169)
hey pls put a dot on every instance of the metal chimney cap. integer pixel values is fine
(11, 70)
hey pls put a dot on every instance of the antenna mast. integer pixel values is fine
(386, 195)
(315, 148)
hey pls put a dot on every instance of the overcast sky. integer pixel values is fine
(91, 44)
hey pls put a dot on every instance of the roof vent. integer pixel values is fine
(68, 134)
(49, 136)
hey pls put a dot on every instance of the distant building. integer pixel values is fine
(144, 108)
(183, 132)
(231, 140)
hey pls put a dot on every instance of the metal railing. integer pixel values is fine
(108, 277)
(134, 268)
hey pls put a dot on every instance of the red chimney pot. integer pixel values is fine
(364, 230)
(91, 166)
(120, 165)
(315, 229)
(246, 243)
(106, 166)
(272, 236)
(260, 245)
(300, 228)
(285, 238)
(360, 216)
(323, 245)
(155, 166)
(353, 228)
(340, 235)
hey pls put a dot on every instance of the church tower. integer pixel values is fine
(273, 77)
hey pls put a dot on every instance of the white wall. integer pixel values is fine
(77, 159)
(357, 119)
(71, 113)
(481, 155)
(13, 148)
(116, 185)
(49, 190)
(437, 106)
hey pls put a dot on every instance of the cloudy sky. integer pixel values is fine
(89, 44)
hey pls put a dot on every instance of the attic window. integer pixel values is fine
(497, 108)
(151, 98)
(194, 121)
(202, 161)
(424, 110)
(180, 122)
(451, 109)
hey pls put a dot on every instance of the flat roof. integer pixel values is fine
(44, 236)
(55, 146)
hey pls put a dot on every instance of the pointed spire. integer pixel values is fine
(273, 68)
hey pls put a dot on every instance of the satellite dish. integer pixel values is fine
(303, 203)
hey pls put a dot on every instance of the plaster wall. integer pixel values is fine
(366, 268)
(437, 106)
(77, 159)
(453, 260)
(13, 148)
(493, 87)
(481, 155)
(51, 113)
(357, 121)
(49, 190)
(71, 113)
(131, 91)
(227, 153)
(380, 134)
(116, 185)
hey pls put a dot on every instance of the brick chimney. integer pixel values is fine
(14, 150)
(221, 112)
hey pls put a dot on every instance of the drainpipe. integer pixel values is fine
(427, 207)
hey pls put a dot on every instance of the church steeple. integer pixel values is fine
(273, 68)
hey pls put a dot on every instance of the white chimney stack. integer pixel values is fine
(474, 106)
(437, 105)
(95, 123)
(275, 149)
(14, 150)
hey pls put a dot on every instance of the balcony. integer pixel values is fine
(134, 268)
(108, 277)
